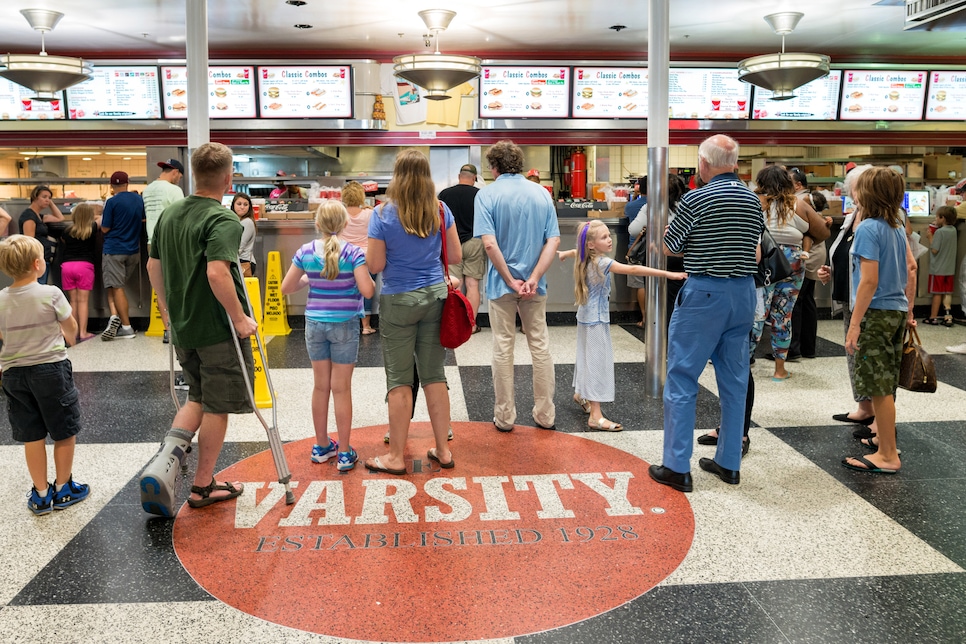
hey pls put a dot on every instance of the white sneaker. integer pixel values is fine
(959, 348)
(125, 333)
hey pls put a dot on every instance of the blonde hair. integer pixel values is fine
(413, 193)
(82, 221)
(586, 259)
(209, 163)
(330, 219)
(18, 254)
(353, 195)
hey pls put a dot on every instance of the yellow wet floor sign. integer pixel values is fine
(263, 397)
(276, 312)
(156, 328)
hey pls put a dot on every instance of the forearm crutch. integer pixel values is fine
(274, 441)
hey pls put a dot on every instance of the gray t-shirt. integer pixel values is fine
(30, 318)
(943, 262)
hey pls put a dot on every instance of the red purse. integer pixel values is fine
(456, 324)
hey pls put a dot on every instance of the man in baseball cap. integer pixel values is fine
(159, 195)
(469, 168)
(121, 224)
(171, 163)
(119, 178)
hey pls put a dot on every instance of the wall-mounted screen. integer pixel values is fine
(305, 91)
(882, 95)
(916, 202)
(815, 101)
(609, 92)
(946, 99)
(231, 92)
(17, 104)
(524, 92)
(115, 92)
(707, 94)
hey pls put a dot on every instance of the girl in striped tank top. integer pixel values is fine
(335, 272)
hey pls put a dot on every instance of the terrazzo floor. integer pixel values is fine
(802, 550)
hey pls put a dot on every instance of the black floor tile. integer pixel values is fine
(951, 369)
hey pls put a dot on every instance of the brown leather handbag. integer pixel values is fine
(918, 372)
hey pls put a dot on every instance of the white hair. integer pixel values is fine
(719, 151)
(852, 177)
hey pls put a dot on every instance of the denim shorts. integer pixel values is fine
(42, 400)
(214, 376)
(335, 341)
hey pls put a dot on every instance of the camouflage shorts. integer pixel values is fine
(879, 354)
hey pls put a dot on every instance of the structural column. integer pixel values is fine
(196, 45)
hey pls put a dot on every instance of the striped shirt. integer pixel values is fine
(718, 228)
(30, 318)
(337, 300)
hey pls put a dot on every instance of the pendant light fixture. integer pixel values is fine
(783, 73)
(436, 73)
(45, 75)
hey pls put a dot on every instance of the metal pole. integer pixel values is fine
(196, 40)
(658, 57)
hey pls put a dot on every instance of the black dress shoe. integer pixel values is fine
(745, 445)
(844, 418)
(863, 432)
(708, 439)
(731, 477)
(664, 476)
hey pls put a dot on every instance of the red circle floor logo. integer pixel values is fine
(532, 530)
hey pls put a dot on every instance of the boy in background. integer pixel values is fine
(942, 265)
(35, 319)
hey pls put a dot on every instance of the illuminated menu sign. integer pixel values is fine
(815, 101)
(946, 100)
(231, 92)
(116, 93)
(298, 91)
(707, 94)
(610, 92)
(882, 95)
(17, 104)
(524, 92)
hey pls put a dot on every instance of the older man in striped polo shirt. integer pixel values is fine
(717, 230)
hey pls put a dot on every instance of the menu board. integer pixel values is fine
(17, 104)
(815, 101)
(946, 100)
(707, 94)
(299, 91)
(610, 92)
(524, 92)
(116, 93)
(231, 92)
(882, 95)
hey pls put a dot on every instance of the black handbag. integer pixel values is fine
(637, 253)
(774, 266)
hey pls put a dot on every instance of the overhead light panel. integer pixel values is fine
(783, 73)
(437, 73)
(46, 75)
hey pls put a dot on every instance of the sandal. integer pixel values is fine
(584, 404)
(605, 425)
(205, 493)
(368, 331)
(932, 321)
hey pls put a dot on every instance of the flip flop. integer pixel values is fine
(431, 455)
(583, 404)
(868, 444)
(777, 379)
(375, 465)
(476, 330)
(205, 492)
(605, 425)
(368, 331)
(90, 337)
(871, 467)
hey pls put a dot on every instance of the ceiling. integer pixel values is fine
(847, 30)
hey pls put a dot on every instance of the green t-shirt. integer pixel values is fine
(193, 232)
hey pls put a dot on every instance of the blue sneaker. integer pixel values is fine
(70, 494)
(41, 504)
(347, 460)
(320, 455)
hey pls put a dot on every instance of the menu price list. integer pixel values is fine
(305, 92)
(815, 101)
(525, 92)
(882, 95)
(707, 94)
(610, 92)
(116, 93)
(231, 92)
(17, 104)
(946, 100)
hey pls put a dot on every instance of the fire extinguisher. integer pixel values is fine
(566, 176)
(578, 189)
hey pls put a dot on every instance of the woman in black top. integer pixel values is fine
(79, 246)
(33, 224)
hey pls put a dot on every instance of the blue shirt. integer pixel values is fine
(124, 216)
(597, 308)
(521, 216)
(877, 241)
(337, 300)
(411, 262)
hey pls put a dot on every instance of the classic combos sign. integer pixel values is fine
(305, 92)
(524, 92)
(530, 531)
